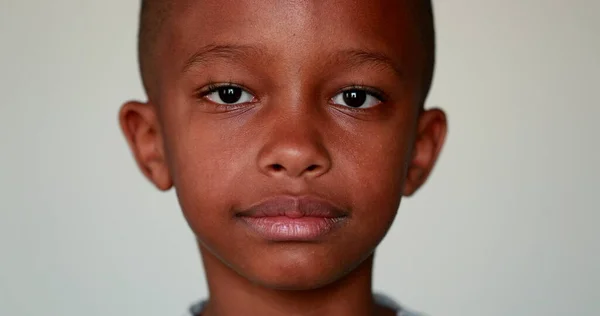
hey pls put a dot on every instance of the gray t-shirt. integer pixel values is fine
(381, 299)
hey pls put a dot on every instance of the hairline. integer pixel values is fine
(154, 13)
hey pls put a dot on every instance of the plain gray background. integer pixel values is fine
(506, 226)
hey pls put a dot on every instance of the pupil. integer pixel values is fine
(230, 94)
(355, 98)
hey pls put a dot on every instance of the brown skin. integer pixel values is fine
(290, 139)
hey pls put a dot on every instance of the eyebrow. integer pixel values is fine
(357, 57)
(226, 51)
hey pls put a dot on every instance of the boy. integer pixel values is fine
(290, 130)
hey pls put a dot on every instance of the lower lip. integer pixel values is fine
(282, 228)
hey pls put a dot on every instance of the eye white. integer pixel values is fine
(342, 98)
(230, 95)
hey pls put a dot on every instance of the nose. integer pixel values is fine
(294, 150)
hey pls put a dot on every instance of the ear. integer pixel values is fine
(140, 125)
(432, 127)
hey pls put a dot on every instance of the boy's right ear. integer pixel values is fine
(139, 123)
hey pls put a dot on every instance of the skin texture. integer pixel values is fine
(291, 138)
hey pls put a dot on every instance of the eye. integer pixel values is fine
(356, 98)
(228, 94)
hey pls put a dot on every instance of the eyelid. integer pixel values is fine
(215, 86)
(380, 95)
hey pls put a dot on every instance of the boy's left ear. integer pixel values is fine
(431, 134)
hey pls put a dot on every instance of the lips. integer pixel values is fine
(288, 218)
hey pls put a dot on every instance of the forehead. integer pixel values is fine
(295, 29)
(243, 15)
(316, 21)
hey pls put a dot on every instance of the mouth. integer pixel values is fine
(288, 218)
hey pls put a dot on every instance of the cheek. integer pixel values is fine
(376, 171)
(378, 165)
(206, 166)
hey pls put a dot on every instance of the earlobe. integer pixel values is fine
(141, 128)
(431, 134)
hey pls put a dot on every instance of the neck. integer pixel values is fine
(231, 294)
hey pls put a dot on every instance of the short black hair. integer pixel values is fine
(154, 13)
(428, 37)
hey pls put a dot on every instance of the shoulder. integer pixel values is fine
(388, 302)
(196, 309)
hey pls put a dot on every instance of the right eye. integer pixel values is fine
(228, 94)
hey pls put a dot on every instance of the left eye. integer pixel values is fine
(356, 98)
(229, 95)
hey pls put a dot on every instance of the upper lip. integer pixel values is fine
(294, 207)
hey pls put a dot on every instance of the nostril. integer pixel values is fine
(312, 167)
(277, 167)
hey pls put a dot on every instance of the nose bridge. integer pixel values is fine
(297, 122)
(294, 144)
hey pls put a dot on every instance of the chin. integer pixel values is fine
(298, 280)
(298, 270)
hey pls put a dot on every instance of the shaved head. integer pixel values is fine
(154, 13)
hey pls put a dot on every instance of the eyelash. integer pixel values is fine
(378, 94)
(372, 91)
(215, 86)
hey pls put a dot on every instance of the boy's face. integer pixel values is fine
(312, 106)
